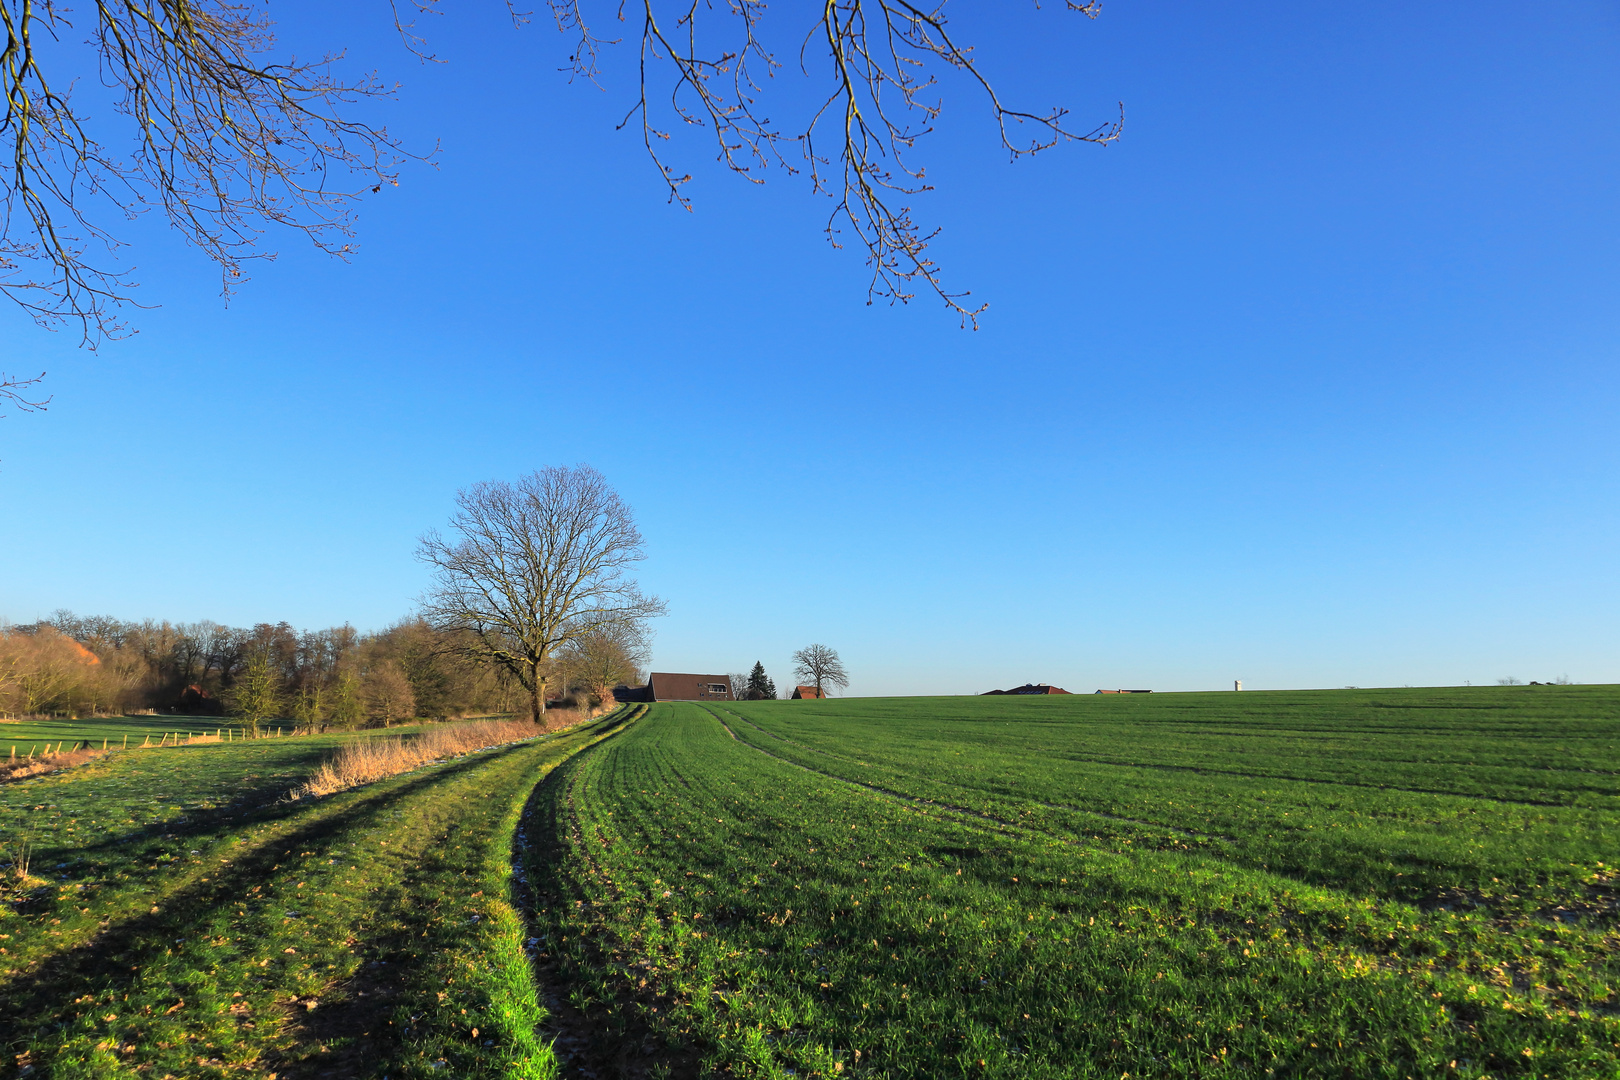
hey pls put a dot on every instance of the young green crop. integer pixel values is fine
(1007, 888)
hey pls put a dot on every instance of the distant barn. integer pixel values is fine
(672, 686)
(1124, 691)
(1028, 688)
(805, 693)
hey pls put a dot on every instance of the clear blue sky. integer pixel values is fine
(1310, 380)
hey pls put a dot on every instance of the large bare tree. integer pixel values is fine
(533, 566)
(228, 138)
(819, 666)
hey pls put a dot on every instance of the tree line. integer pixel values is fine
(334, 678)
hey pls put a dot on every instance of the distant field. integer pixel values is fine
(1338, 884)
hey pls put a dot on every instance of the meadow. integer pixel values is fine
(21, 737)
(183, 918)
(1385, 883)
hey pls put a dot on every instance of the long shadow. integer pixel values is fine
(114, 958)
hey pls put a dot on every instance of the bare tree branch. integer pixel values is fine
(880, 101)
(227, 144)
(14, 390)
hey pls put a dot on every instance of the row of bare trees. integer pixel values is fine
(70, 665)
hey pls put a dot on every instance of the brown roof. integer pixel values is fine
(806, 692)
(1029, 688)
(667, 686)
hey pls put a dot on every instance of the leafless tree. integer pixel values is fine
(534, 566)
(229, 139)
(819, 666)
(14, 389)
(603, 658)
(387, 694)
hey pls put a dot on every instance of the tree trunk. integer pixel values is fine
(537, 694)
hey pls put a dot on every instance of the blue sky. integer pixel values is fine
(1310, 380)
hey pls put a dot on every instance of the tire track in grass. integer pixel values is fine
(241, 967)
(954, 808)
(1388, 959)
(1161, 982)
(591, 1039)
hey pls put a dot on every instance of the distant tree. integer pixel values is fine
(598, 661)
(760, 685)
(533, 567)
(819, 666)
(308, 708)
(346, 709)
(224, 649)
(387, 694)
(256, 697)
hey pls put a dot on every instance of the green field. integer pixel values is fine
(1398, 883)
(1352, 883)
(113, 731)
(185, 920)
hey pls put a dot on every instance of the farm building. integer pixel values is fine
(1028, 688)
(673, 686)
(805, 692)
(1124, 691)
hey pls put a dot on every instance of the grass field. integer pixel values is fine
(183, 921)
(114, 731)
(1337, 884)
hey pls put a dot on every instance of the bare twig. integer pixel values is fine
(14, 391)
(881, 100)
(227, 144)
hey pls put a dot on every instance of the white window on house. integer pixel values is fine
(717, 688)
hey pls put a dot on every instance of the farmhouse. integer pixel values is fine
(671, 686)
(1124, 691)
(805, 692)
(1029, 688)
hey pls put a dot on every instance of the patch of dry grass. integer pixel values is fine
(22, 768)
(367, 760)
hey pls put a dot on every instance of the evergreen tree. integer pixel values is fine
(760, 686)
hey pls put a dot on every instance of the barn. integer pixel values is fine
(678, 686)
